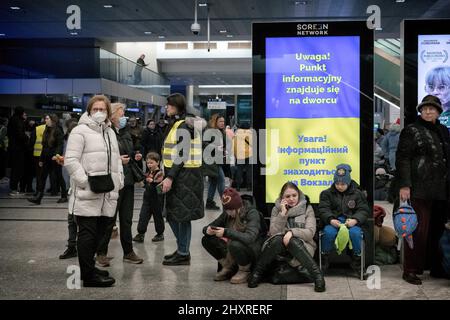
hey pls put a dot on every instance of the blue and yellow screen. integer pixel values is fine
(313, 99)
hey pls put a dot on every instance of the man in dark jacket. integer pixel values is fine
(151, 139)
(140, 64)
(343, 203)
(17, 146)
(423, 157)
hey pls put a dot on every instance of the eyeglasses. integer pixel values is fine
(440, 88)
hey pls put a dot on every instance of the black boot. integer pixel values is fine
(37, 199)
(356, 267)
(272, 249)
(71, 252)
(211, 205)
(299, 252)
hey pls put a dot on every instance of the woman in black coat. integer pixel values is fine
(52, 145)
(422, 163)
(183, 183)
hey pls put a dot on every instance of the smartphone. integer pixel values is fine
(159, 189)
(214, 228)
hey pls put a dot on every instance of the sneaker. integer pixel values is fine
(71, 252)
(158, 237)
(15, 193)
(133, 258)
(139, 237)
(98, 280)
(178, 260)
(115, 232)
(102, 261)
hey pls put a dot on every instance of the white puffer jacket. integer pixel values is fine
(86, 155)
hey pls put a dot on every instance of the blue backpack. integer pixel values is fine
(405, 222)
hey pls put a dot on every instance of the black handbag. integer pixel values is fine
(103, 183)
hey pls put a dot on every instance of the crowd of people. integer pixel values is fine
(103, 153)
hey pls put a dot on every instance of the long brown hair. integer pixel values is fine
(214, 119)
(290, 185)
(51, 131)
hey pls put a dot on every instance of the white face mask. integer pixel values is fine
(99, 117)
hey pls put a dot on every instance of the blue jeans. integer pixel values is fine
(330, 233)
(182, 232)
(218, 183)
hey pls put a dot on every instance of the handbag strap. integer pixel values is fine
(108, 151)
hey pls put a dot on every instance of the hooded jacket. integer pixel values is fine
(86, 155)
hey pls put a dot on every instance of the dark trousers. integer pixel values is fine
(38, 170)
(26, 183)
(50, 165)
(72, 226)
(148, 209)
(90, 231)
(17, 162)
(125, 205)
(242, 254)
(431, 216)
(239, 177)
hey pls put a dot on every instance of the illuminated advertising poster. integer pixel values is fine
(313, 99)
(434, 71)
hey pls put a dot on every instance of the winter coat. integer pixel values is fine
(299, 219)
(151, 195)
(351, 203)
(151, 141)
(136, 136)
(423, 160)
(184, 201)
(17, 139)
(126, 148)
(56, 147)
(254, 232)
(86, 155)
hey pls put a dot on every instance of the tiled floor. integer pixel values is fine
(32, 237)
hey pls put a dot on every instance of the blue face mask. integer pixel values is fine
(122, 122)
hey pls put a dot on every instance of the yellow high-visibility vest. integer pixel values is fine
(38, 144)
(170, 152)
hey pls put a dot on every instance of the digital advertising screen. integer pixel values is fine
(313, 85)
(312, 98)
(434, 71)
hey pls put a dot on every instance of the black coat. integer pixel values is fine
(17, 139)
(125, 143)
(422, 160)
(184, 202)
(50, 149)
(351, 203)
(151, 141)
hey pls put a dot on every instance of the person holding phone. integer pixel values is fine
(292, 229)
(152, 202)
(235, 237)
(423, 164)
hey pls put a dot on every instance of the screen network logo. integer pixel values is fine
(312, 29)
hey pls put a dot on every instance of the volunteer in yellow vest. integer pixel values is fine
(183, 183)
(243, 151)
(37, 136)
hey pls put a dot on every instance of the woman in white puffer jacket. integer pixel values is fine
(87, 155)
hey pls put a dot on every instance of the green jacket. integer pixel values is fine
(352, 203)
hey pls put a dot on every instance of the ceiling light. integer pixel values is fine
(74, 33)
(378, 29)
(15, 8)
(399, 1)
(202, 4)
(107, 6)
(2, 34)
(147, 32)
(229, 36)
(297, 3)
(223, 31)
(161, 37)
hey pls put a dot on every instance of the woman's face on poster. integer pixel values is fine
(440, 90)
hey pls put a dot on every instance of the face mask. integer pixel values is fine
(122, 122)
(99, 117)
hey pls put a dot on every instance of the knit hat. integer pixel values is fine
(342, 174)
(430, 100)
(231, 199)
